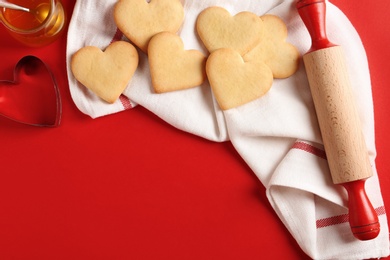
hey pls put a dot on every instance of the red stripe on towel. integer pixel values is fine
(117, 36)
(331, 221)
(125, 102)
(380, 210)
(335, 220)
(310, 149)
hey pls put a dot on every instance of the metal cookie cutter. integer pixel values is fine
(32, 97)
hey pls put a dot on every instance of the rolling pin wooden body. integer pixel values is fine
(338, 119)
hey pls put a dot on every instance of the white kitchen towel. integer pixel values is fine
(277, 135)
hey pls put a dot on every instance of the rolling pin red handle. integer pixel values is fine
(313, 14)
(362, 216)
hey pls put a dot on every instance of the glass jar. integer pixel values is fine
(40, 26)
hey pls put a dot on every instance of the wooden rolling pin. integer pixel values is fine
(338, 119)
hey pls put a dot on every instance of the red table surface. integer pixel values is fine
(130, 186)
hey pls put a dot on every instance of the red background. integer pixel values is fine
(130, 186)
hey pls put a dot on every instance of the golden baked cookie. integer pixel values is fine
(172, 67)
(234, 81)
(217, 28)
(106, 73)
(140, 20)
(281, 56)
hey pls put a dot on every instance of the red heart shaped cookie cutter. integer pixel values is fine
(32, 97)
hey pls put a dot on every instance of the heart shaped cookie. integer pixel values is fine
(32, 97)
(235, 82)
(218, 29)
(140, 20)
(172, 67)
(281, 56)
(105, 73)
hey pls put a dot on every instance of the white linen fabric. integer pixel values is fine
(277, 135)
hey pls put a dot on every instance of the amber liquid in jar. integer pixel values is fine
(41, 26)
